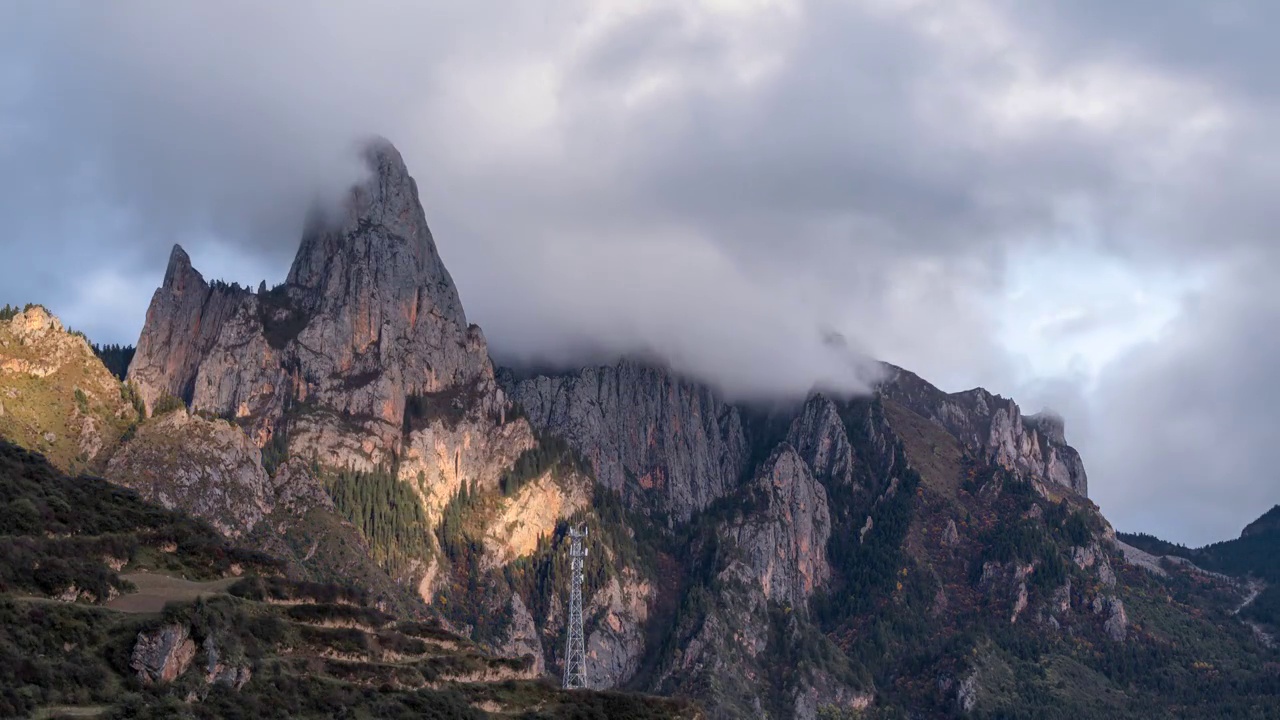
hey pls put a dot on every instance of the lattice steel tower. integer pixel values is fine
(575, 657)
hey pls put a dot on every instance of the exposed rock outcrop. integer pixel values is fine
(1093, 556)
(368, 317)
(819, 436)
(236, 675)
(665, 443)
(614, 648)
(441, 452)
(994, 428)
(784, 538)
(1116, 625)
(160, 656)
(297, 490)
(522, 637)
(723, 647)
(531, 515)
(822, 696)
(951, 534)
(206, 468)
(183, 322)
(384, 318)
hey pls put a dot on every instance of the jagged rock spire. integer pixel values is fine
(369, 315)
(379, 244)
(179, 269)
(183, 321)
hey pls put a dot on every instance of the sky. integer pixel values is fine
(1067, 202)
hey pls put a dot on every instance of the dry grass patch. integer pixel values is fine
(155, 591)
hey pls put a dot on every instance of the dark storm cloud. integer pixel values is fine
(1230, 42)
(719, 187)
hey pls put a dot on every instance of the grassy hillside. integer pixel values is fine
(87, 569)
(56, 396)
(1255, 555)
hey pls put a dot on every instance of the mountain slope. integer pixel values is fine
(1253, 559)
(76, 638)
(55, 394)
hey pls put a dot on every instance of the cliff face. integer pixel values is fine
(367, 318)
(183, 322)
(384, 318)
(995, 428)
(818, 435)
(205, 468)
(664, 443)
(784, 538)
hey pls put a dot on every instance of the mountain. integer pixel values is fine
(904, 553)
(55, 394)
(367, 319)
(114, 607)
(1251, 561)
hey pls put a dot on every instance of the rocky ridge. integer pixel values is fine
(183, 323)
(367, 319)
(205, 468)
(55, 394)
(994, 427)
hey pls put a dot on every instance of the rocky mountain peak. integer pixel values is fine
(993, 427)
(368, 317)
(379, 247)
(183, 322)
(179, 274)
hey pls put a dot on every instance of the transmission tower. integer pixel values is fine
(575, 657)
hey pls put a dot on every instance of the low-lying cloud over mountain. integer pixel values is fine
(1068, 204)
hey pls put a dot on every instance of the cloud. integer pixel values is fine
(722, 183)
(1198, 409)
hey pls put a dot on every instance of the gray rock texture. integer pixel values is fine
(784, 540)
(819, 436)
(368, 317)
(161, 655)
(383, 316)
(184, 321)
(522, 637)
(205, 468)
(994, 428)
(614, 648)
(663, 442)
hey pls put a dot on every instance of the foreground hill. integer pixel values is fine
(113, 607)
(908, 553)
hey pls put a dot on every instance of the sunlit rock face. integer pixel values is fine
(183, 323)
(56, 396)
